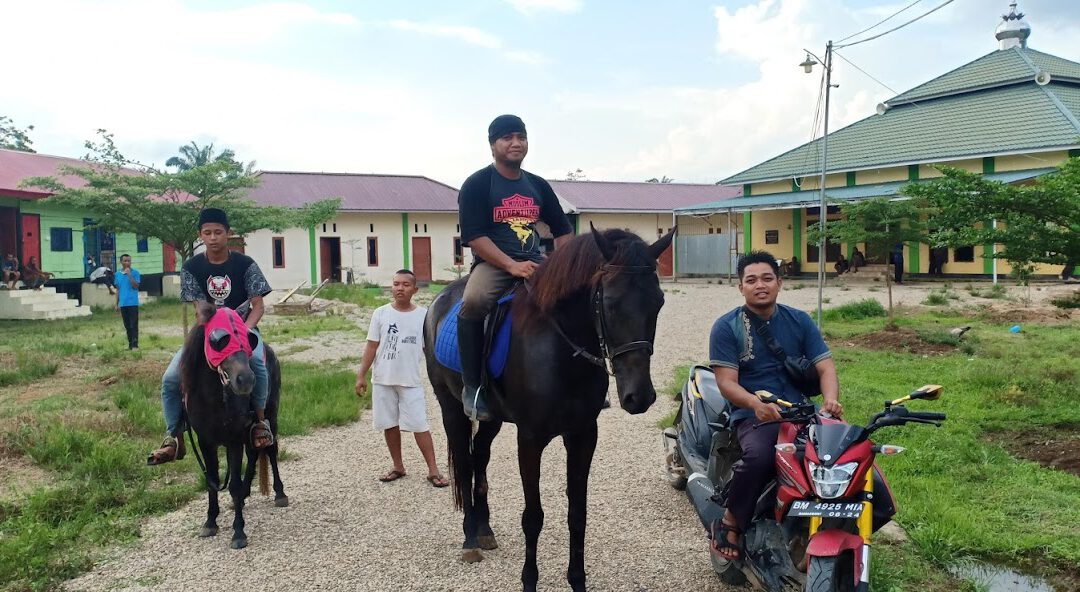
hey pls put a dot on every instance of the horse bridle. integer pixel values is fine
(607, 353)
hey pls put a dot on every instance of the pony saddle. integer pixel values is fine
(496, 337)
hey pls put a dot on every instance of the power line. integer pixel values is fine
(927, 13)
(867, 74)
(886, 19)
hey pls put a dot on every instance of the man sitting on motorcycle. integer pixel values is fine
(744, 364)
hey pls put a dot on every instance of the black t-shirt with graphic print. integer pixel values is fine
(507, 210)
(229, 284)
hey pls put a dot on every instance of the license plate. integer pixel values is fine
(803, 509)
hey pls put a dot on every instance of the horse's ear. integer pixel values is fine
(204, 311)
(605, 246)
(656, 249)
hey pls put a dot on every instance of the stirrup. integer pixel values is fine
(474, 405)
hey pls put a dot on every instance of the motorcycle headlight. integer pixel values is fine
(832, 482)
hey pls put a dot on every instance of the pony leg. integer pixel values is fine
(249, 469)
(530, 452)
(236, 489)
(209, 453)
(458, 437)
(579, 454)
(481, 455)
(280, 499)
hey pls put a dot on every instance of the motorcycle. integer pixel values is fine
(813, 523)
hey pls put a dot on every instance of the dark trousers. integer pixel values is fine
(754, 471)
(898, 270)
(130, 314)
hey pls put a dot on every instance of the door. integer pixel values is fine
(9, 232)
(421, 250)
(330, 258)
(31, 238)
(168, 258)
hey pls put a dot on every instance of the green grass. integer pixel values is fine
(91, 437)
(854, 311)
(673, 389)
(366, 295)
(1068, 301)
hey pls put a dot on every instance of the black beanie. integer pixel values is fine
(504, 124)
(213, 216)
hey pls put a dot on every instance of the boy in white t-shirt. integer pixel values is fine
(395, 350)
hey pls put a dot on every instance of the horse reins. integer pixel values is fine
(607, 353)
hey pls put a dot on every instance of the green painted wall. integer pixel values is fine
(314, 260)
(746, 190)
(748, 236)
(988, 165)
(796, 233)
(795, 185)
(913, 172)
(851, 179)
(149, 262)
(988, 263)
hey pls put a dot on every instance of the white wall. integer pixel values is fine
(644, 225)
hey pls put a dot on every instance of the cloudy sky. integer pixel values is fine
(624, 90)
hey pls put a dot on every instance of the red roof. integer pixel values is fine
(613, 196)
(358, 192)
(16, 166)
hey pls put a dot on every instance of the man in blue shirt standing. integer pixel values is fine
(127, 298)
(744, 363)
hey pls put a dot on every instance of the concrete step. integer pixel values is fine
(53, 305)
(55, 315)
(15, 294)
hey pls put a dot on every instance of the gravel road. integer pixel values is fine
(346, 531)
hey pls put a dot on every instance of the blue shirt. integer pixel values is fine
(759, 368)
(128, 296)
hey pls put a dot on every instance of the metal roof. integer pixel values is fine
(16, 166)
(358, 192)
(811, 197)
(988, 107)
(637, 197)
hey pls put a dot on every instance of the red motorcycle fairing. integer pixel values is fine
(832, 542)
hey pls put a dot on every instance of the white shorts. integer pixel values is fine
(401, 406)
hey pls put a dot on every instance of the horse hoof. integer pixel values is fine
(472, 556)
(282, 502)
(238, 543)
(208, 531)
(488, 542)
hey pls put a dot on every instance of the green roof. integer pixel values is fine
(810, 197)
(989, 106)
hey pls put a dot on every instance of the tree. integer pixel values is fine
(127, 196)
(192, 155)
(877, 221)
(663, 180)
(1039, 223)
(576, 175)
(14, 138)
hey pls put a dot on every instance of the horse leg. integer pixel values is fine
(530, 451)
(236, 489)
(481, 455)
(280, 499)
(249, 469)
(458, 435)
(579, 454)
(209, 454)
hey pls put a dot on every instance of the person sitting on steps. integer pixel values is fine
(498, 208)
(228, 279)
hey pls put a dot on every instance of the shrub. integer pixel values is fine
(1068, 300)
(854, 311)
(936, 299)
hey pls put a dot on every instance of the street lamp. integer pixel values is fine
(808, 67)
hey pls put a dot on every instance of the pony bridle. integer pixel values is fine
(608, 353)
(234, 333)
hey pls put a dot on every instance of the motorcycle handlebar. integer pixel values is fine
(928, 415)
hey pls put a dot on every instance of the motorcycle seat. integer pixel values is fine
(704, 387)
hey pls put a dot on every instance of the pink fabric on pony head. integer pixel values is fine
(228, 320)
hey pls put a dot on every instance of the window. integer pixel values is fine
(832, 250)
(371, 228)
(459, 256)
(60, 239)
(772, 237)
(279, 252)
(964, 254)
(335, 226)
(142, 244)
(416, 228)
(324, 227)
(425, 227)
(373, 251)
(831, 210)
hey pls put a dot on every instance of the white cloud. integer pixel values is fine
(531, 7)
(470, 35)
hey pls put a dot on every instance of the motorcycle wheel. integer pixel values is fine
(676, 479)
(728, 572)
(830, 574)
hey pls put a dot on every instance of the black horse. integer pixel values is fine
(219, 411)
(590, 308)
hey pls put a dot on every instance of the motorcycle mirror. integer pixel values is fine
(929, 392)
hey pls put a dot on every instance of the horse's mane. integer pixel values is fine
(576, 265)
(193, 359)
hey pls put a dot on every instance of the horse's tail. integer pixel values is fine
(264, 476)
(458, 503)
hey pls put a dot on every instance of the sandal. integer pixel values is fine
(171, 449)
(720, 542)
(393, 475)
(260, 430)
(437, 481)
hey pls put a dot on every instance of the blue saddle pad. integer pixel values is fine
(446, 345)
